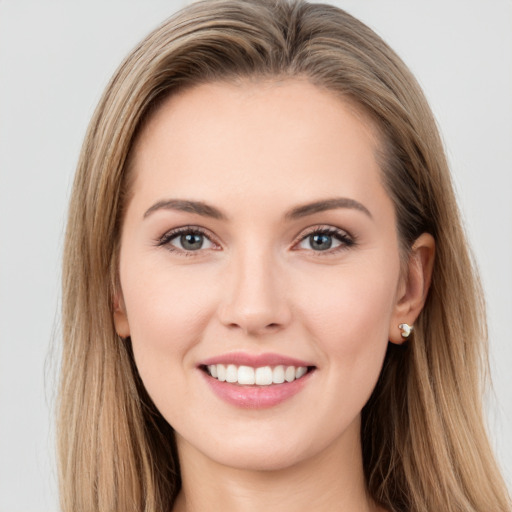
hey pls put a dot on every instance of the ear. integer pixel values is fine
(414, 286)
(120, 317)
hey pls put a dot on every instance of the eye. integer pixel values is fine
(325, 239)
(191, 242)
(186, 240)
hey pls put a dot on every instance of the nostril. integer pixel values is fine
(272, 326)
(253, 319)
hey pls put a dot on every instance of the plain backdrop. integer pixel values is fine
(55, 59)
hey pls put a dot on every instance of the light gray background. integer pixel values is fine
(56, 58)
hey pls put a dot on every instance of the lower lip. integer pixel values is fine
(255, 397)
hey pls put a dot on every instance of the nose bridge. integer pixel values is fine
(255, 295)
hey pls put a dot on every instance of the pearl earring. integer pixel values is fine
(406, 330)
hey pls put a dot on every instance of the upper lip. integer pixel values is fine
(255, 360)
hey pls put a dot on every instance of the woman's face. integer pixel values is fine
(258, 244)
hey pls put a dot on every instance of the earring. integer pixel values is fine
(406, 330)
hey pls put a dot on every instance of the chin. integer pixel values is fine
(271, 450)
(260, 459)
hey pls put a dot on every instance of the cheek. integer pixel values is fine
(167, 311)
(349, 313)
(349, 320)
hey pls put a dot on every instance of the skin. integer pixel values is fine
(256, 151)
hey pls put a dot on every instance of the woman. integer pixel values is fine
(261, 211)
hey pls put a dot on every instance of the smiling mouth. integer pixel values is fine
(260, 376)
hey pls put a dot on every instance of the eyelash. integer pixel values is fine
(165, 240)
(346, 240)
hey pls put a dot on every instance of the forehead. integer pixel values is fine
(283, 139)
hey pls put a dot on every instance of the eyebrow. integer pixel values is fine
(182, 205)
(206, 210)
(324, 205)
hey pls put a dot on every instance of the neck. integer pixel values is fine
(331, 480)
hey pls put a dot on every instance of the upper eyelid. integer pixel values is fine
(346, 238)
(318, 228)
(172, 233)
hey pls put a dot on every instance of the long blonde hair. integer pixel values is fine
(424, 441)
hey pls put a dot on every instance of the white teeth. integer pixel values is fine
(300, 371)
(231, 373)
(262, 376)
(278, 375)
(221, 372)
(246, 375)
(289, 374)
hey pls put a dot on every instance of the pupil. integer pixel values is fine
(320, 242)
(191, 241)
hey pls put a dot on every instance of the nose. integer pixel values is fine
(255, 295)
